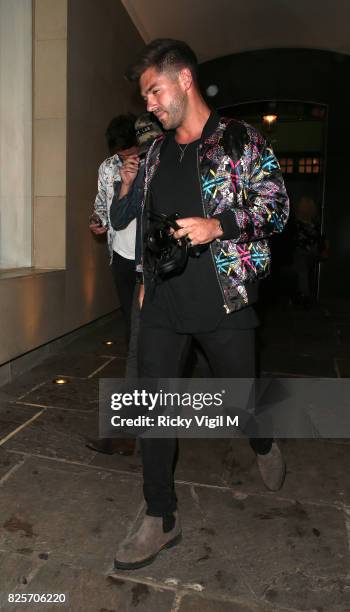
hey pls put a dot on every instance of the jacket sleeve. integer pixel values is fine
(100, 205)
(265, 204)
(126, 209)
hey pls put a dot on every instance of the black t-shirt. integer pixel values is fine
(192, 301)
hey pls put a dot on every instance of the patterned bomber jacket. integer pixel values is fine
(242, 185)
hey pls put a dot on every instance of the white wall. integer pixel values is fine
(16, 132)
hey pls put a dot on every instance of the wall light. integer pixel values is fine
(108, 342)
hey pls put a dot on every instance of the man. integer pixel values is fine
(122, 144)
(125, 207)
(224, 181)
(114, 177)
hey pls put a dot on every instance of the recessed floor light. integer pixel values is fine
(60, 381)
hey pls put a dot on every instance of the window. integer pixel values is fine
(287, 165)
(309, 165)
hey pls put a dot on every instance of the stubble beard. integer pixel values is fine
(175, 113)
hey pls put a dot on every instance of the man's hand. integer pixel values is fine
(97, 229)
(199, 230)
(128, 173)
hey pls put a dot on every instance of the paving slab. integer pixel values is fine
(95, 345)
(324, 463)
(203, 461)
(60, 434)
(318, 463)
(77, 394)
(22, 385)
(73, 514)
(61, 364)
(91, 591)
(81, 365)
(199, 461)
(15, 569)
(317, 470)
(8, 463)
(13, 415)
(131, 464)
(114, 369)
(256, 547)
(199, 604)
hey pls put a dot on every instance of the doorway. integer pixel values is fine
(297, 132)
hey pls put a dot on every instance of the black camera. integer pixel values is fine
(166, 254)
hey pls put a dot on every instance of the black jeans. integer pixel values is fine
(162, 353)
(124, 275)
(131, 370)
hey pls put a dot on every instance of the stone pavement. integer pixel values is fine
(64, 508)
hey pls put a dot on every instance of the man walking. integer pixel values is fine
(224, 181)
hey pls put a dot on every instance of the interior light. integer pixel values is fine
(269, 119)
(108, 342)
(212, 90)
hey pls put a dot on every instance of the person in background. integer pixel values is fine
(125, 209)
(122, 144)
(113, 178)
(307, 249)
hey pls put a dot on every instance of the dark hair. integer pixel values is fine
(120, 133)
(163, 54)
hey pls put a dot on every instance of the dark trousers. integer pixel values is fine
(162, 353)
(131, 370)
(124, 275)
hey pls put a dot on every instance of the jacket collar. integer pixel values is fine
(210, 126)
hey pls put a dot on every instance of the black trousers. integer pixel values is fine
(162, 353)
(124, 275)
(131, 370)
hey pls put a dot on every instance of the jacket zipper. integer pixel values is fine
(144, 207)
(225, 305)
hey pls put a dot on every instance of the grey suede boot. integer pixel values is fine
(142, 547)
(272, 468)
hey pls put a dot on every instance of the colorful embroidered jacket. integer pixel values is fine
(242, 185)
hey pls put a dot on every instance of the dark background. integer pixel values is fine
(320, 77)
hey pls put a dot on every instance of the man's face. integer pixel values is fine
(165, 97)
(125, 153)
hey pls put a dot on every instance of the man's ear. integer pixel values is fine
(185, 78)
